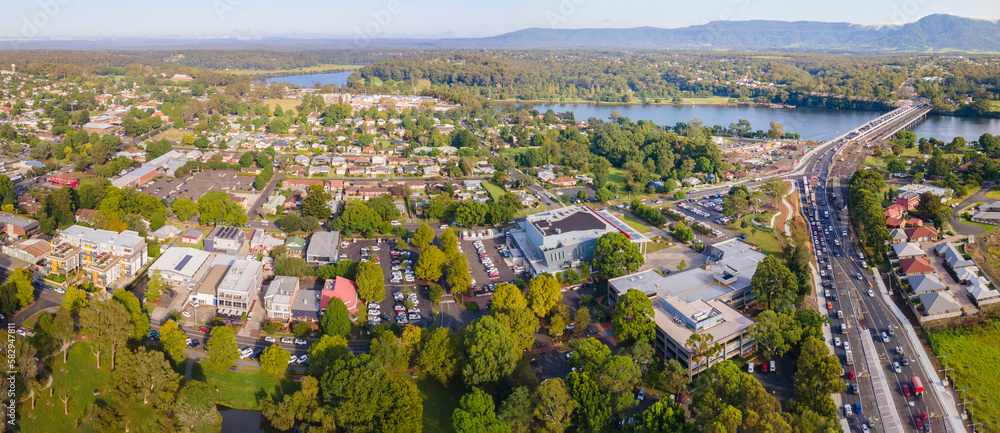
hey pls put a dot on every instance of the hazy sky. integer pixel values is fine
(430, 18)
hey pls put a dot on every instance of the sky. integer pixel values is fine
(248, 19)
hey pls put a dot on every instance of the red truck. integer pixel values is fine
(918, 387)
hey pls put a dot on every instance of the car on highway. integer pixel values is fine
(850, 375)
(885, 338)
(829, 305)
(906, 390)
(847, 344)
(895, 367)
(871, 294)
(836, 341)
(857, 408)
(854, 388)
(859, 275)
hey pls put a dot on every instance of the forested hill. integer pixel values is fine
(931, 33)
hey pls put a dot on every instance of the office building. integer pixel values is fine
(563, 238)
(700, 300)
(239, 287)
(226, 240)
(182, 266)
(278, 297)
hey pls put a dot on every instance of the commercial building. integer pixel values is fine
(30, 250)
(323, 248)
(278, 297)
(104, 255)
(563, 238)
(306, 306)
(182, 266)
(700, 299)
(343, 290)
(239, 287)
(64, 179)
(226, 240)
(15, 225)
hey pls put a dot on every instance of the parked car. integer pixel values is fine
(269, 339)
(286, 340)
(300, 342)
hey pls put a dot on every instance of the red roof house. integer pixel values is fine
(342, 289)
(895, 211)
(916, 266)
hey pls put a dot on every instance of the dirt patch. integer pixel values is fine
(986, 253)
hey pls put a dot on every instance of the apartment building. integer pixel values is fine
(104, 255)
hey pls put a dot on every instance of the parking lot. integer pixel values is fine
(195, 185)
(362, 249)
(479, 273)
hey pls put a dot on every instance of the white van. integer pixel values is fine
(861, 256)
(772, 367)
(750, 368)
(847, 410)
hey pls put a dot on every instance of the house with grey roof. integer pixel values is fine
(897, 236)
(278, 297)
(952, 256)
(938, 305)
(323, 248)
(926, 284)
(910, 249)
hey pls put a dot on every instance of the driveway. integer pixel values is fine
(965, 228)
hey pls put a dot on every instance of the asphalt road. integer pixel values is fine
(864, 313)
(966, 228)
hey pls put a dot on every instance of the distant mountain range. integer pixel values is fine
(934, 33)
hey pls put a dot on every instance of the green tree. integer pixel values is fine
(507, 296)
(516, 410)
(633, 317)
(663, 416)
(673, 377)
(365, 397)
(702, 347)
(423, 236)
(727, 398)
(274, 359)
(774, 285)
(616, 255)
(490, 352)
(145, 377)
(221, 348)
(522, 325)
(553, 406)
(581, 321)
(108, 324)
(138, 318)
(430, 264)
(619, 376)
(336, 319)
(388, 349)
(775, 333)
(544, 294)
(325, 352)
(475, 413)
(459, 277)
(449, 243)
(74, 299)
(22, 280)
(195, 406)
(184, 208)
(155, 287)
(817, 376)
(589, 354)
(315, 203)
(371, 282)
(439, 355)
(594, 413)
(776, 131)
(63, 330)
(216, 208)
(172, 340)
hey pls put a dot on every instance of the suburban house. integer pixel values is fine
(895, 211)
(226, 240)
(988, 214)
(916, 266)
(953, 258)
(323, 248)
(920, 284)
(939, 305)
(278, 297)
(191, 236)
(296, 247)
(903, 251)
(564, 181)
(921, 234)
(898, 236)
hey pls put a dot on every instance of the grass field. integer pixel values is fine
(652, 247)
(993, 195)
(706, 101)
(995, 105)
(243, 389)
(79, 378)
(309, 70)
(439, 403)
(515, 151)
(968, 193)
(285, 104)
(973, 352)
(495, 191)
(616, 175)
(765, 239)
(170, 134)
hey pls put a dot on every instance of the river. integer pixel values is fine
(810, 123)
(335, 78)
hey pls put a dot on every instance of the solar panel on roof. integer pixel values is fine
(183, 262)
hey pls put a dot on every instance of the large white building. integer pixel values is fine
(104, 255)
(699, 299)
(182, 266)
(563, 238)
(238, 288)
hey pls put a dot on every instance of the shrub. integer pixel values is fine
(272, 327)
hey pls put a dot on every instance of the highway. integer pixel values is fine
(863, 313)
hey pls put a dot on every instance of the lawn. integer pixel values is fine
(706, 100)
(285, 104)
(995, 105)
(974, 368)
(243, 389)
(616, 175)
(639, 226)
(439, 403)
(765, 239)
(495, 191)
(968, 193)
(80, 379)
(652, 247)
(989, 228)
(993, 195)
(515, 151)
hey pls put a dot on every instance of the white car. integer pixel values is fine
(302, 359)
(286, 340)
(301, 342)
(269, 339)
(836, 341)
(186, 314)
(292, 359)
(394, 223)
(374, 248)
(895, 367)
(443, 226)
(871, 293)
(60, 290)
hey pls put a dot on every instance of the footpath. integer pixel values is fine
(952, 417)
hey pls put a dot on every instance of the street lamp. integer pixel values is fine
(945, 369)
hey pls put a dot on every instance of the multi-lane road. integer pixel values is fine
(865, 311)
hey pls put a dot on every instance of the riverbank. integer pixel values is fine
(721, 101)
(312, 70)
